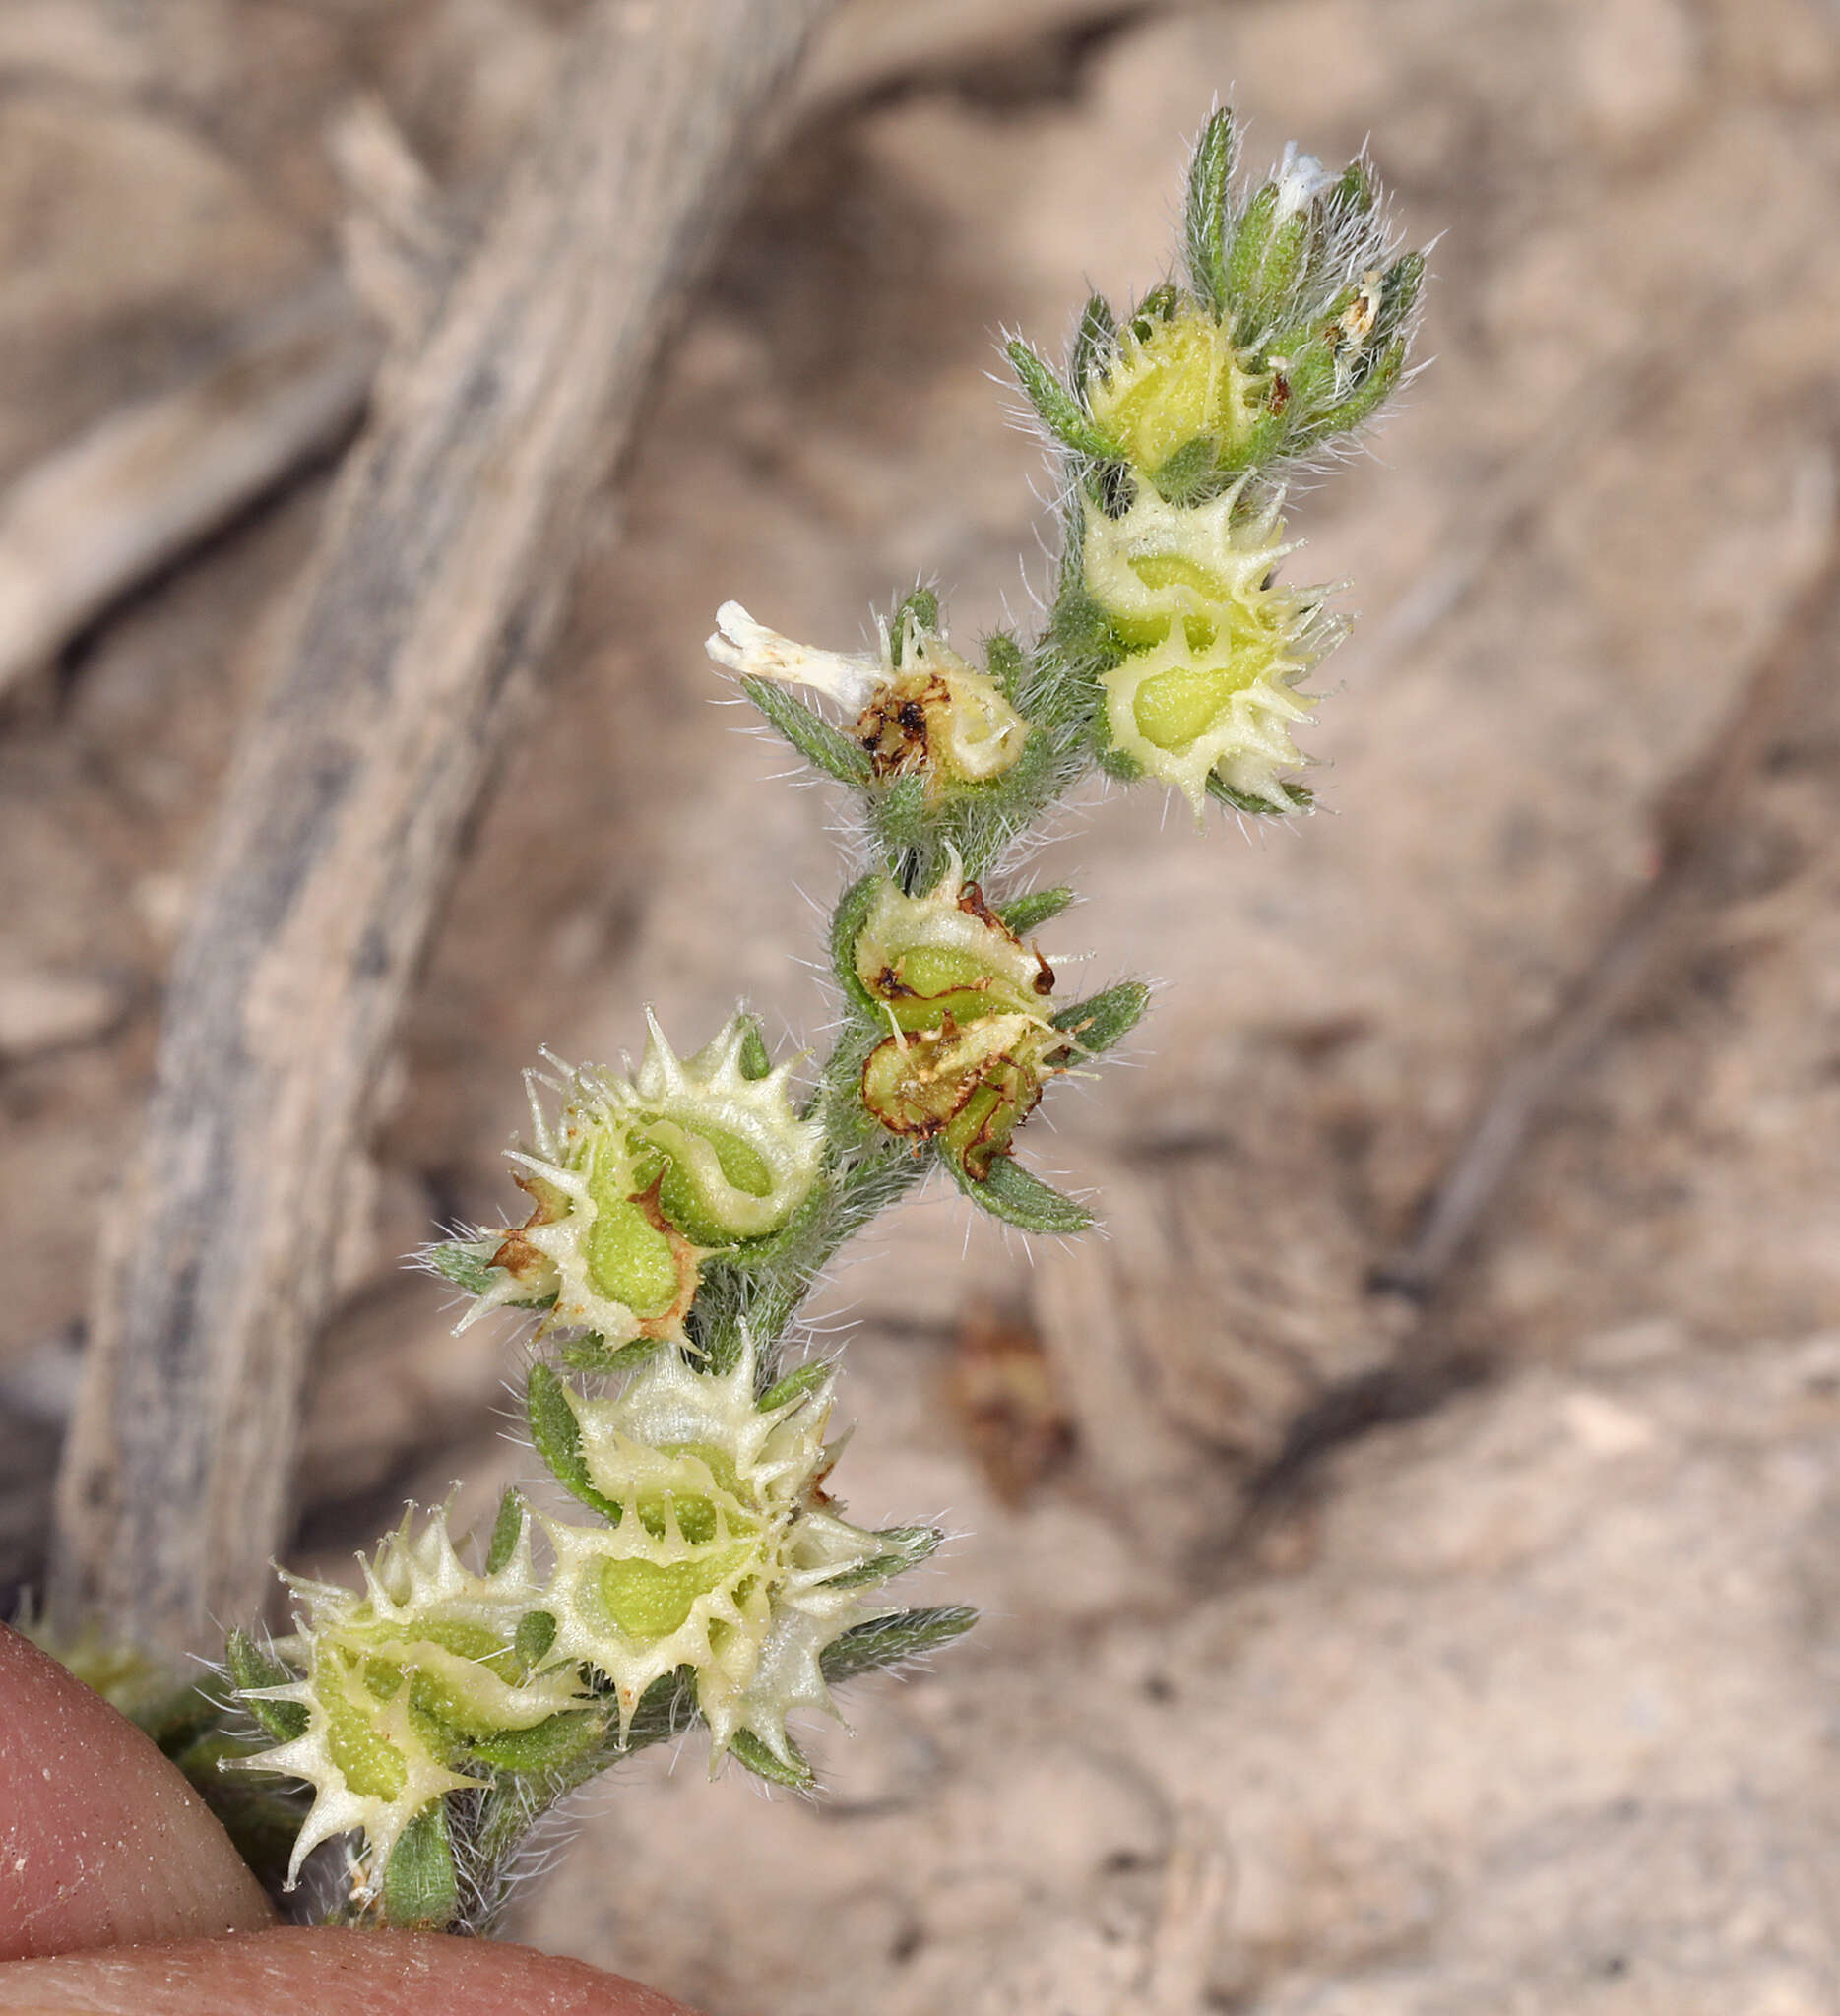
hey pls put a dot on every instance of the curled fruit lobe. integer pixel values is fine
(725, 1554)
(970, 1044)
(638, 1180)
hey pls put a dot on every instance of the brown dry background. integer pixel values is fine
(1529, 1702)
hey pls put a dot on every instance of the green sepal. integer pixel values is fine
(1245, 255)
(1107, 1018)
(558, 1437)
(551, 1745)
(1094, 343)
(419, 1886)
(823, 746)
(1025, 913)
(903, 1547)
(800, 1380)
(1400, 287)
(1194, 475)
(921, 607)
(507, 1529)
(746, 1748)
(846, 921)
(887, 1641)
(755, 1059)
(252, 1667)
(1204, 219)
(1009, 1192)
(1158, 305)
(1285, 258)
(1061, 413)
(1220, 790)
(596, 1357)
(1354, 195)
(901, 815)
(456, 1260)
(1370, 393)
(1007, 663)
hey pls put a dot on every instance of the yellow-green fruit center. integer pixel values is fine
(630, 1261)
(1172, 708)
(1183, 381)
(652, 1598)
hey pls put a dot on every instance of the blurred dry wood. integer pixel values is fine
(438, 581)
(102, 514)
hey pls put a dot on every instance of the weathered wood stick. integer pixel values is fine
(438, 580)
(100, 515)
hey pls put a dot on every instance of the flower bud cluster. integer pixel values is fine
(1292, 326)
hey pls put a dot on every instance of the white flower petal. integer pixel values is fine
(752, 649)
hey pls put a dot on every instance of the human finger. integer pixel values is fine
(102, 1843)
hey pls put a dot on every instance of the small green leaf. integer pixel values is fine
(1192, 475)
(846, 921)
(1285, 259)
(745, 1748)
(1400, 287)
(903, 1547)
(756, 1059)
(593, 1355)
(557, 1436)
(1221, 790)
(921, 607)
(1245, 255)
(1158, 305)
(1025, 913)
(534, 1635)
(887, 1641)
(1105, 1019)
(1355, 194)
(1007, 663)
(419, 1887)
(551, 1745)
(1011, 1193)
(1061, 411)
(1368, 395)
(801, 1379)
(1204, 222)
(901, 814)
(507, 1530)
(461, 1262)
(824, 747)
(1094, 343)
(251, 1667)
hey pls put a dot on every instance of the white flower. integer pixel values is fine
(754, 652)
(1301, 178)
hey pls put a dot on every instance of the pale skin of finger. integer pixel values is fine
(102, 1842)
(119, 1892)
(330, 1973)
